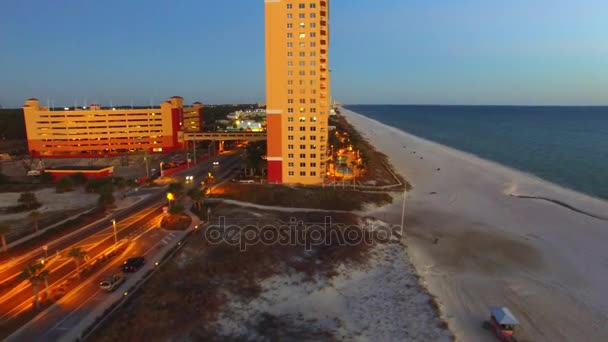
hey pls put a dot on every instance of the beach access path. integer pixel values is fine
(477, 244)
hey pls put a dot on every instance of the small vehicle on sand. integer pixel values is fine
(502, 323)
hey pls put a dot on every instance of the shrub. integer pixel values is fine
(176, 208)
(106, 199)
(46, 178)
(95, 184)
(29, 200)
(79, 179)
(64, 184)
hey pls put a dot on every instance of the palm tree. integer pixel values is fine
(5, 228)
(35, 216)
(78, 255)
(197, 195)
(35, 274)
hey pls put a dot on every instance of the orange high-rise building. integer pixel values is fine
(297, 89)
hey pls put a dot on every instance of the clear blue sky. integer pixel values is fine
(383, 51)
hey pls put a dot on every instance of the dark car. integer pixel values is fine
(133, 264)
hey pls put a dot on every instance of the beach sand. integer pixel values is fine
(477, 245)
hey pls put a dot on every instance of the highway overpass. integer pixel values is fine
(224, 136)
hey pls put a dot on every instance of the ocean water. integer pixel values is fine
(564, 145)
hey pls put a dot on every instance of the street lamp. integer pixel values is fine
(115, 234)
(170, 197)
(161, 169)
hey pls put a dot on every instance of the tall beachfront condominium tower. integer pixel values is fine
(297, 89)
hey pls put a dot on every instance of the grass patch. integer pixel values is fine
(328, 198)
(175, 222)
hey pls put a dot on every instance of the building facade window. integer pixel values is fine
(290, 147)
(302, 156)
(291, 173)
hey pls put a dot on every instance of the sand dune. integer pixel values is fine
(477, 244)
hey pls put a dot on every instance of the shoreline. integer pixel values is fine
(475, 244)
(506, 169)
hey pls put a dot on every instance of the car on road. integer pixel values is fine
(216, 163)
(133, 264)
(111, 282)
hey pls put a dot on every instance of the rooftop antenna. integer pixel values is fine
(85, 102)
(131, 103)
(75, 102)
(111, 106)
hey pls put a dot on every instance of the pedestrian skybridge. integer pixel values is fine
(224, 136)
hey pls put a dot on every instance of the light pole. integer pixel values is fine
(194, 151)
(170, 197)
(161, 169)
(115, 234)
(147, 167)
(403, 213)
(45, 248)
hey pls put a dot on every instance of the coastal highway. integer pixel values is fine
(137, 225)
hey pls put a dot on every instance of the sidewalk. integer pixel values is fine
(115, 300)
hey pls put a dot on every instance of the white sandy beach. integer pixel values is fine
(547, 263)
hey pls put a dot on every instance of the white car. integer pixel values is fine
(110, 283)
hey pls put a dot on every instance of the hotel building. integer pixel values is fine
(97, 131)
(297, 89)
